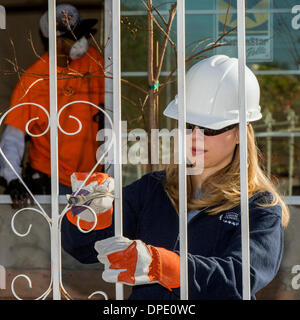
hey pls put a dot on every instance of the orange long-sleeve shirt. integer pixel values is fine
(81, 80)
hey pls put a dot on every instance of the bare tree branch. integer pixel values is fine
(161, 16)
(165, 42)
(159, 26)
(33, 47)
(226, 17)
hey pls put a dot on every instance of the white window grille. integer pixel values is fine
(243, 150)
(116, 14)
(182, 154)
(54, 222)
(55, 244)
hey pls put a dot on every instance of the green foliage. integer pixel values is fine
(279, 95)
(279, 92)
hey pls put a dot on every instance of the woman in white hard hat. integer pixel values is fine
(212, 105)
(147, 257)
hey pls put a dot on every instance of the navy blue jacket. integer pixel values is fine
(214, 241)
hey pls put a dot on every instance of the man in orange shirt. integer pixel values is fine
(80, 77)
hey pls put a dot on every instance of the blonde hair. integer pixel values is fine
(222, 189)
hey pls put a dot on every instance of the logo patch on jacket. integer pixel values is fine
(230, 218)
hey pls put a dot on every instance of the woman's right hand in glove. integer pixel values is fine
(99, 185)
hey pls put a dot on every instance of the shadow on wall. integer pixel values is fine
(286, 285)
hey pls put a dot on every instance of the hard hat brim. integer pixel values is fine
(204, 120)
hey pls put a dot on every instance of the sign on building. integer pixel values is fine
(259, 26)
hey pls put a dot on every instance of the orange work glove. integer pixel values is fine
(133, 262)
(99, 186)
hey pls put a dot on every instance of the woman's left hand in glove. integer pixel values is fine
(133, 262)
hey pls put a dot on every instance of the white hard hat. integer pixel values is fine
(212, 94)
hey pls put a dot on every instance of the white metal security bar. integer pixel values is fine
(207, 11)
(109, 69)
(182, 153)
(55, 244)
(45, 199)
(243, 150)
(166, 73)
(2, 18)
(117, 126)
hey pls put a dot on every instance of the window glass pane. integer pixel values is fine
(273, 53)
(200, 5)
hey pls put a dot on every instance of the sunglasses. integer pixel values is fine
(210, 132)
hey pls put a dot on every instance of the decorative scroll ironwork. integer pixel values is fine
(40, 210)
